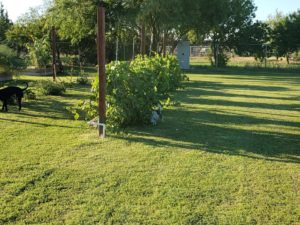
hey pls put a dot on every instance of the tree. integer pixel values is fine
(253, 40)
(163, 19)
(29, 27)
(5, 23)
(236, 16)
(286, 35)
(9, 59)
(177, 18)
(39, 53)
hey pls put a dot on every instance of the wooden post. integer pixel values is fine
(101, 68)
(217, 55)
(164, 49)
(117, 48)
(266, 55)
(151, 44)
(53, 39)
(143, 40)
(133, 48)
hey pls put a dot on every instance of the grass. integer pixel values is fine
(251, 63)
(229, 154)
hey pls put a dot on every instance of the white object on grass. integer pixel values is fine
(154, 118)
(95, 123)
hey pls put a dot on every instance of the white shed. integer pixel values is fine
(183, 54)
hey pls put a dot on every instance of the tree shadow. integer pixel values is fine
(242, 87)
(45, 107)
(211, 132)
(191, 95)
(38, 123)
(41, 108)
(230, 131)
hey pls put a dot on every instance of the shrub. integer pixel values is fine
(223, 58)
(39, 53)
(82, 80)
(29, 94)
(135, 89)
(51, 88)
(9, 61)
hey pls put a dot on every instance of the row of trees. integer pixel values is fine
(279, 36)
(154, 24)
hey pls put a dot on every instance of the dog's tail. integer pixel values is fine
(25, 87)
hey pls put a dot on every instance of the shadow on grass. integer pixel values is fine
(46, 111)
(38, 123)
(36, 111)
(226, 132)
(207, 131)
(205, 90)
(214, 89)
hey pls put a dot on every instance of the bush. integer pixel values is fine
(9, 61)
(134, 90)
(39, 53)
(29, 94)
(51, 88)
(82, 80)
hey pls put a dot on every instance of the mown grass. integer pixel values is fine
(229, 154)
(251, 63)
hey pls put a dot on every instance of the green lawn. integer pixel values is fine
(229, 154)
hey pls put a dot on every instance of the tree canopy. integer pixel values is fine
(228, 24)
(5, 23)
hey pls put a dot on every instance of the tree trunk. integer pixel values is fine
(215, 48)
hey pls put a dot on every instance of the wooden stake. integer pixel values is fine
(164, 44)
(133, 48)
(53, 37)
(143, 40)
(101, 68)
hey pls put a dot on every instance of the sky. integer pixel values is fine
(269, 7)
(16, 8)
(265, 8)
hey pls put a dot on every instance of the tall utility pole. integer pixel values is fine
(101, 68)
(53, 39)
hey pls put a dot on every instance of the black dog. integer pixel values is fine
(8, 92)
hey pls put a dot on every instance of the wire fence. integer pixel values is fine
(203, 55)
(200, 55)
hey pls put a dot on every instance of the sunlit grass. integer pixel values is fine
(250, 62)
(229, 154)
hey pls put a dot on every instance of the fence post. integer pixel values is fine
(53, 39)
(133, 48)
(143, 40)
(151, 44)
(217, 55)
(101, 69)
(164, 44)
(266, 55)
(117, 48)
